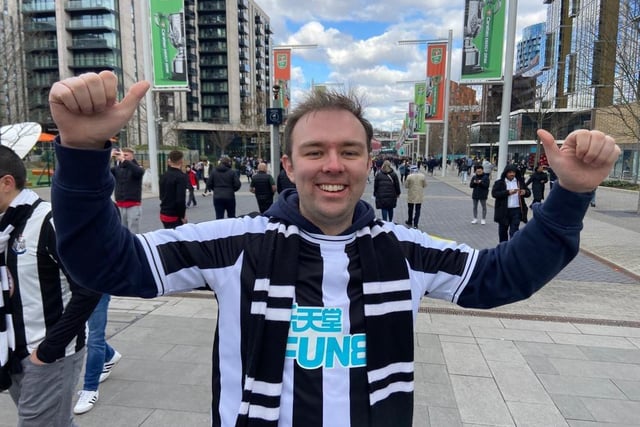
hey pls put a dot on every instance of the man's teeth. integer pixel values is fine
(333, 187)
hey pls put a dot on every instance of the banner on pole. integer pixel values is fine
(482, 50)
(168, 44)
(420, 99)
(435, 84)
(282, 75)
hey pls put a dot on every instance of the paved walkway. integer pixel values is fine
(568, 356)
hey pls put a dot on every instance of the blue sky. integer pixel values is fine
(358, 45)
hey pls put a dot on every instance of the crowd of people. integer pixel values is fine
(317, 269)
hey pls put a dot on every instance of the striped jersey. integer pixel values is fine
(324, 380)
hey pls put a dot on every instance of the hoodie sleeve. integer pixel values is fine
(96, 250)
(514, 270)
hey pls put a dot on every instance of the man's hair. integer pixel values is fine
(11, 164)
(262, 167)
(225, 160)
(175, 156)
(128, 150)
(323, 100)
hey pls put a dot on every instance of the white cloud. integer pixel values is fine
(373, 64)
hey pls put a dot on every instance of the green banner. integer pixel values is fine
(419, 97)
(168, 44)
(484, 29)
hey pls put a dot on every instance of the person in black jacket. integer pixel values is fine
(480, 184)
(386, 190)
(538, 179)
(128, 193)
(42, 312)
(173, 190)
(224, 182)
(283, 181)
(264, 187)
(510, 207)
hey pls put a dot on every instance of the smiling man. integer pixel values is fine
(316, 297)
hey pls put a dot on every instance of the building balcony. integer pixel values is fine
(40, 44)
(41, 7)
(95, 24)
(212, 6)
(243, 4)
(92, 43)
(90, 5)
(40, 27)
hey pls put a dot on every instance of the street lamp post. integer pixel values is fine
(277, 117)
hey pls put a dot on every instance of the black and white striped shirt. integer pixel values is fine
(324, 380)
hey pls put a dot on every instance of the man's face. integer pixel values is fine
(510, 175)
(329, 164)
(479, 171)
(126, 155)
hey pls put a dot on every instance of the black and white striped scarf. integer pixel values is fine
(15, 216)
(388, 317)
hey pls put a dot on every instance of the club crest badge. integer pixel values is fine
(19, 245)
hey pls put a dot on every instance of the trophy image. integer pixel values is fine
(472, 24)
(172, 30)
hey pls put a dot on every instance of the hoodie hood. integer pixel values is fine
(509, 168)
(287, 209)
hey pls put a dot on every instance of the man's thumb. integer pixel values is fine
(548, 142)
(135, 94)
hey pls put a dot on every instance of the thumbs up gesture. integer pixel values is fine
(584, 160)
(86, 110)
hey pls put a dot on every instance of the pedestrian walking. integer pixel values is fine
(224, 182)
(415, 184)
(538, 179)
(128, 192)
(386, 190)
(174, 185)
(510, 207)
(480, 184)
(264, 187)
(193, 183)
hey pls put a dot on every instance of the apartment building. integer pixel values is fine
(227, 52)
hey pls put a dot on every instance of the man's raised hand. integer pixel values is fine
(86, 111)
(584, 160)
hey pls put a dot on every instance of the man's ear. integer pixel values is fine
(287, 164)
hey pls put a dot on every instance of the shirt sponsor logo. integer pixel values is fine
(316, 339)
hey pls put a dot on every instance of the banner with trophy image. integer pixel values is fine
(168, 45)
(435, 83)
(484, 34)
(282, 76)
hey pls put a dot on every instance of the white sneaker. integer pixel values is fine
(475, 221)
(86, 401)
(108, 366)
(483, 222)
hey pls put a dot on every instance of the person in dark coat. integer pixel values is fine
(480, 184)
(128, 192)
(283, 181)
(386, 190)
(224, 182)
(264, 187)
(173, 187)
(538, 180)
(510, 207)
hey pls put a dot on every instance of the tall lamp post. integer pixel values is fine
(276, 115)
